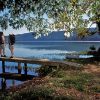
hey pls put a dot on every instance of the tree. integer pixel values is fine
(43, 16)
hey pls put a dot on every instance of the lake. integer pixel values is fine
(52, 50)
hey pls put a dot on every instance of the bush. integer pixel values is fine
(92, 47)
(44, 70)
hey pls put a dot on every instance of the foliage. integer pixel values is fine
(43, 16)
(92, 47)
(44, 70)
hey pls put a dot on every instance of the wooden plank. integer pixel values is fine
(16, 76)
(31, 61)
(25, 60)
(40, 61)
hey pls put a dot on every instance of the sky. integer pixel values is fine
(14, 31)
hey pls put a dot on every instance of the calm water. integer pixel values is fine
(49, 50)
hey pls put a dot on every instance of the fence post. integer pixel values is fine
(19, 68)
(25, 66)
(3, 66)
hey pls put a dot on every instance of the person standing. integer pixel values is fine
(11, 40)
(2, 45)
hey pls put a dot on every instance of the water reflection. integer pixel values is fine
(11, 77)
(3, 84)
(30, 69)
(6, 83)
(42, 49)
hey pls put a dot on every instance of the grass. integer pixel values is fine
(72, 79)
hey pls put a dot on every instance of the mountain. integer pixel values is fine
(56, 36)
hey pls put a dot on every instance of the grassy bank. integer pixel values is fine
(59, 84)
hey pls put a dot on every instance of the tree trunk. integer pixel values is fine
(98, 25)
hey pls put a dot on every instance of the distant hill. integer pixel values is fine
(55, 36)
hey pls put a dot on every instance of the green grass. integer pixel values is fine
(68, 79)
